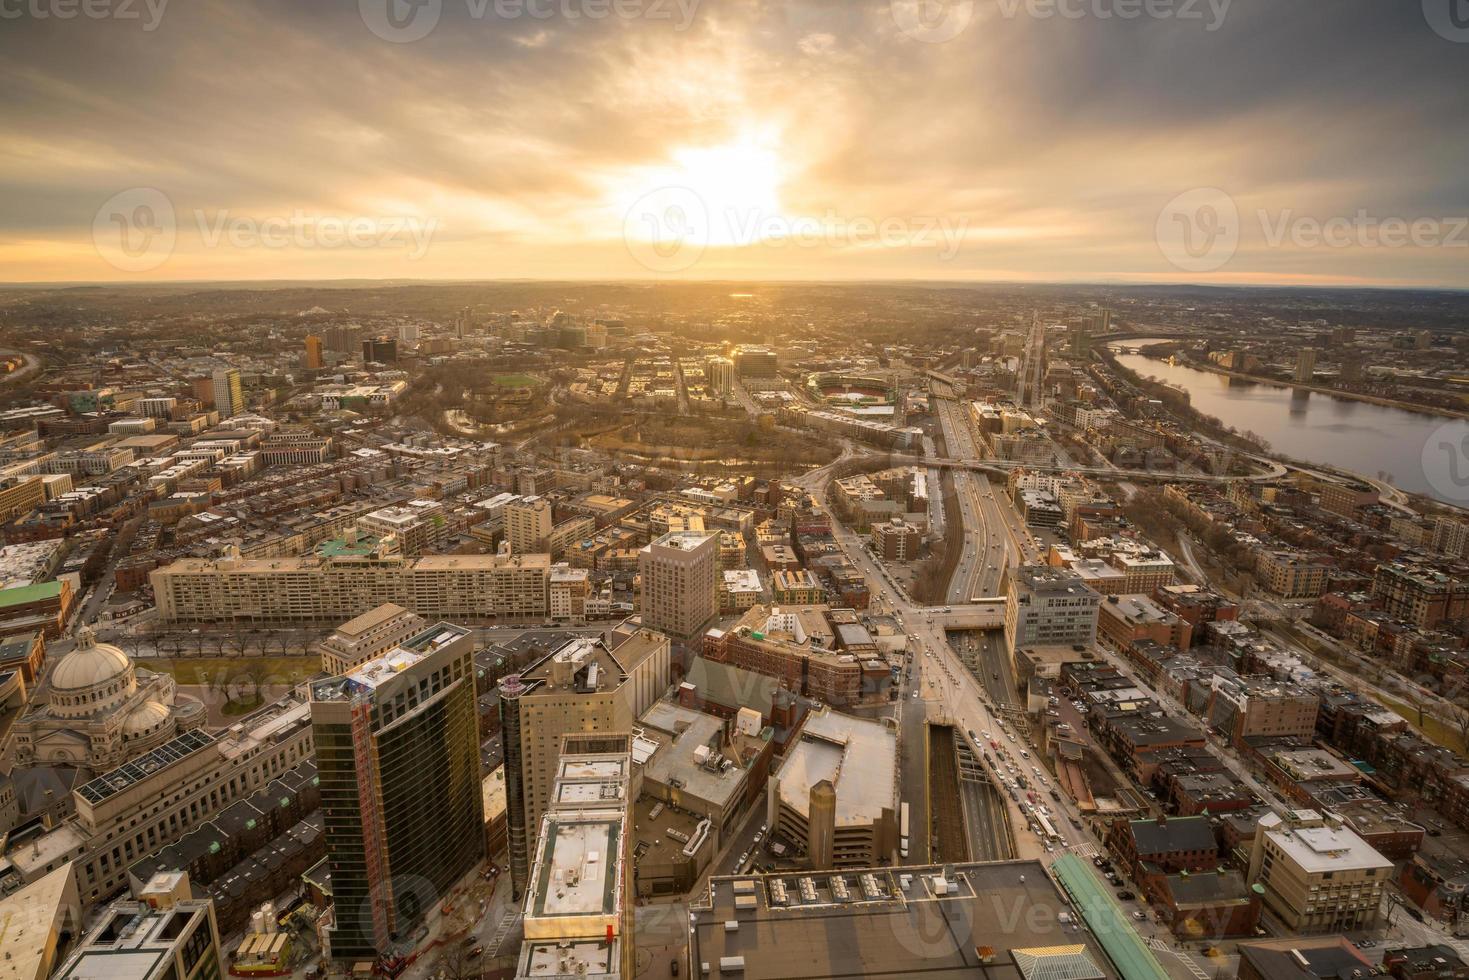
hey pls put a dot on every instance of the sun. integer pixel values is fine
(726, 195)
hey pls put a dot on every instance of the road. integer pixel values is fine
(988, 547)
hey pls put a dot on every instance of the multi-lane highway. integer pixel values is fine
(993, 540)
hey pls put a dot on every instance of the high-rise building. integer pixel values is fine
(527, 524)
(166, 934)
(680, 582)
(380, 350)
(721, 371)
(585, 685)
(397, 748)
(578, 910)
(229, 396)
(755, 362)
(1305, 364)
(314, 359)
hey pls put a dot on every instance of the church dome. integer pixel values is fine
(144, 719)
(89, 665)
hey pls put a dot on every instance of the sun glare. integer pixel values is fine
(724, 195)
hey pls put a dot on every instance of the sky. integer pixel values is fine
(1307, 142)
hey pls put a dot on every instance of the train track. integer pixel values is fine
(946, 811)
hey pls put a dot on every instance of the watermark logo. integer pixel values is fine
(670, 229)
(666, 230)
(1198, 231)
(401, 21)
(1446, 460)
(932, 21)
(147, 13)
(405, 21)
(136, 229)
(1448, 18)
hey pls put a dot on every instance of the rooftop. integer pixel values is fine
(858, 756)
(896, 923)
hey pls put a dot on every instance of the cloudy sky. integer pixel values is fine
(1274, 141)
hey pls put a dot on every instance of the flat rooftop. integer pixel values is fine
(577, 871)
(893, 923)
(859, 756)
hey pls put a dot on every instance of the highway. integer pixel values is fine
(988, 548)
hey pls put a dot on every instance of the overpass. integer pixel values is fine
(1002, 467)
(987, 615)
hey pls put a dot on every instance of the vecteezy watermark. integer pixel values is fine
(669, 229)
(1448, 18)
(405, 21)
(304, 230)
(137, 230)
(1446, 461)
(1200, 230)
(936, 21)
(149, 13)
(932, 21)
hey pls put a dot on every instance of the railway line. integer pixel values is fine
(948, 830)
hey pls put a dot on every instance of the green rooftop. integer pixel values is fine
(341, 547)
(23, 594)
(1106, 920)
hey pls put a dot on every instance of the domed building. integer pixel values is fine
(97, 710)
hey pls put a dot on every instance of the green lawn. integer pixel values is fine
(205, 670)
(1432, 729)
(515, 381)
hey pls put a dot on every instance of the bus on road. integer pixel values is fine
(903, 830)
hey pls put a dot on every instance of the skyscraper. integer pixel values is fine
(680, 573)
(1305, 364)
(397, 748)
(229, 396)
(587, 686)
(314, 359)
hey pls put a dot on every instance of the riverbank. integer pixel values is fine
(1354, 396)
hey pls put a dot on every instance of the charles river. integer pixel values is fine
(1316, 428)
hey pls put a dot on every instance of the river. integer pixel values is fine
(1308, 426)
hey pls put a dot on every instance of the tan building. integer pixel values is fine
(136, 810)
(1318, 875)
(836, 794)
(1291, 574)
(567, 593)
(586, 685)
(527, 524)
(800, 588)
(367, 637)
(344, 577)
(896, 540)
(680, 582)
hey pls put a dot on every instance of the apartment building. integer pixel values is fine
(345, 576)
(527, 524)
(578, 912)
(367, 637)
(798, 588)
(897, 540)
(229, 395)
(1248, 707)
(397, 749)
(680, 582)
(1292, 574)
(1318, 874)
(1420, 594)
(1123, 620)
(586, 685)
